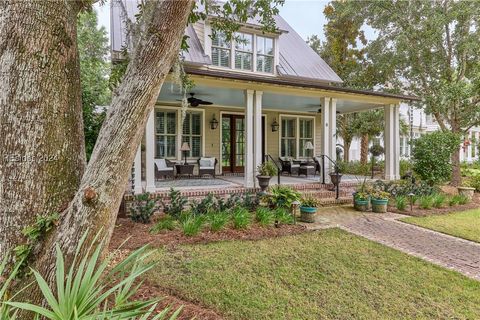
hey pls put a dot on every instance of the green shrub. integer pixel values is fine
(241, 218)
(264, 216)
(425, 202)
(282, 196)
(454, 200)
(283, 216)
(473, 181)
(142, 208)
(439, 200)
(247, 200)
(218, 220)
(177, 204)
(401, 203)
(165, 223)
(204, 206)
(463, 199)
(431, 154)
(405, 188)
(191, 225)
(355, 167)
(92, 289)
(405, 166)
(268, 168)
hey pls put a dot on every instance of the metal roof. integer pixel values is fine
(296, 58)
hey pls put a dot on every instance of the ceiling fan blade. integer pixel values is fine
(207, 103)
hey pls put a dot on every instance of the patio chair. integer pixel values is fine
(206, 166)
(164, 169)
(288, 166)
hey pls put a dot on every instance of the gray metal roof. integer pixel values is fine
(296, 58)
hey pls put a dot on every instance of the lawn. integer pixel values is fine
(329, 274)
(464, 224)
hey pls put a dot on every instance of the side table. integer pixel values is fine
(184, 169)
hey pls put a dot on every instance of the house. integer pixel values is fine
(271, 96)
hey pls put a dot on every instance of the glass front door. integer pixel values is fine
(233, 143)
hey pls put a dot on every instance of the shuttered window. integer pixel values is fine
(192, 133)
(244, 51)
(265, 54)
(220, 50)
(165, 134)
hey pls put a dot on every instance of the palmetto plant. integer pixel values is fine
(90, 290)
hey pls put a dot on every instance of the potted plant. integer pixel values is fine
(379, 201)
(265, 172)
(308, 209)
(361, 200)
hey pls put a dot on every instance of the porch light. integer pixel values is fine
(275, 125)
(213, 123)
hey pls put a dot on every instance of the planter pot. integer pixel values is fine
(307, 214)
(466, 191)
(361, 205)
(335, 178)
(379, 205)
(263, 182)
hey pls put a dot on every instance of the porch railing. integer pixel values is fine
(336, 171)
(279, 169)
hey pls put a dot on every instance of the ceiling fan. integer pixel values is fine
(319, 110)
(195, 102)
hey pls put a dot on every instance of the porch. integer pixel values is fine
(244, 121)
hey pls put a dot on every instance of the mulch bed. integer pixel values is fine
(418, 212)
(139, 235)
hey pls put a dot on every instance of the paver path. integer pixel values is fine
(444, 250)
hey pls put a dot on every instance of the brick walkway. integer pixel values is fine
(447, 251)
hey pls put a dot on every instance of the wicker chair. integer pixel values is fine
(307, 169)
(207, 166)
(288, 166)
(164, 169)
(318, 166)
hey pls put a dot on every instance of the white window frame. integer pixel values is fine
(265, 55)
(179, 133)
(235, 50)
(220, 48)
(297, 133)
(165, 134)
(191, 135)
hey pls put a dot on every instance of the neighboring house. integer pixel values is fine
(271, 95)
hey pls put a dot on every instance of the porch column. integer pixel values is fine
(325, 138)
(249, 160)
(150, 152)
(392, 142)
(333, 129)
(258, 132)
(469, 147)
(137, 179)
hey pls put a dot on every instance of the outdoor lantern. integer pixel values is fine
(213, 123)
(185, 148)
(275, 125)
(411, 195)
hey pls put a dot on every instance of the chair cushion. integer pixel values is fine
(207, 168)
(207, 162)
(308, 167)
(295, 165)
(161, 164)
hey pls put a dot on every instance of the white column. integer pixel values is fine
(469, 150)
(333, 129)
(392, 142)
(249, 161)
(150, 152)
(258, 131)
(137, 182)
(325, 138)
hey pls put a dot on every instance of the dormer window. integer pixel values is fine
(221, 50)
(246, 52)
(265, 54)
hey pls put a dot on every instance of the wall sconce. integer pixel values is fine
(275, 125)
(213, 123)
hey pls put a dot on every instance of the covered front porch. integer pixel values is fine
(249, 121)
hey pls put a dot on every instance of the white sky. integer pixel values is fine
(305, 16)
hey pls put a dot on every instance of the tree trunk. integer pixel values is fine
(96, 203)
(42, 144)
(346, 150)
(456, 172)
(364, 149)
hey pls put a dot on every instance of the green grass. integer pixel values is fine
(329, 274)
(464, 224)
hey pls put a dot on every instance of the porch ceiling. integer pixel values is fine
(233, 97)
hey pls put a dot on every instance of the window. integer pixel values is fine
(244, 51)
(220, 50)
(165, 134)
(265, 54)
(289, 139)
(292, 144)
(192, 133)
(306, 135)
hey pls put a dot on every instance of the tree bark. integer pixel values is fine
(346, 150)
(42, 146)
(364, 149)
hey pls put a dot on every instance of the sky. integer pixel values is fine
(305, 16)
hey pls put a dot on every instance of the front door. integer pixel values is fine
(233, 142)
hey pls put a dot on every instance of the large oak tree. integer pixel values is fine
(43, 166)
